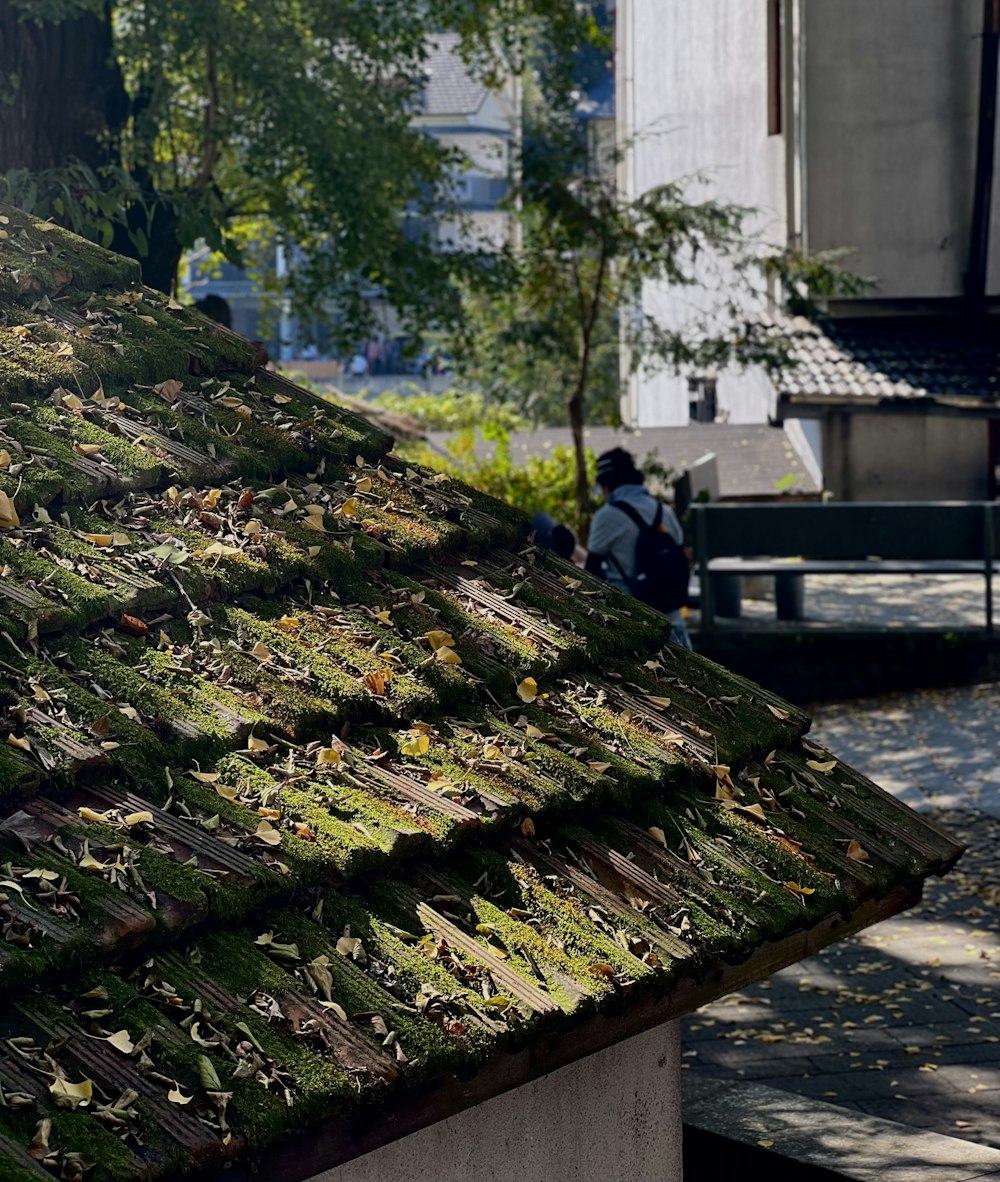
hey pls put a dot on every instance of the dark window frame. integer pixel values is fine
(774, 68)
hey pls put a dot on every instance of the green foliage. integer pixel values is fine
(454, 409)
(284, 120)
(571, 315)
(540, 483)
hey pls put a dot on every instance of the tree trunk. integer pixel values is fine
(60, 90)
(158, 221)
(63, 99)
(574, 409)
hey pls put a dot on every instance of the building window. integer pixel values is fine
(702, 400)
(774, 67)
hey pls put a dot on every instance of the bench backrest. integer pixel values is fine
(911, 530)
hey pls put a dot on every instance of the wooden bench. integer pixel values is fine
(937, 537)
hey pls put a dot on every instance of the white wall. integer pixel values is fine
(892, 91)
(614, 1115)
(697, 102)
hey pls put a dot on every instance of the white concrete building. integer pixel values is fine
(481, 124)
(845, 124)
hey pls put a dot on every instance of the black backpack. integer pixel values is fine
(661, 566)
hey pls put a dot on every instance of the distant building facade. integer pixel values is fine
(462, 114)
(845, 124)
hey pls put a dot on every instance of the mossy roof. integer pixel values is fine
(322, 788)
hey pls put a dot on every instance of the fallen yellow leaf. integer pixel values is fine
(8, 514)
(527, 691)
(416, 745)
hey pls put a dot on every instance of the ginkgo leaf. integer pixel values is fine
(267, 833)
(142, 818)
(447, 656)
(663, 703)
(327, 755)
(92, 816)
(121, 1041)
(657, 834)
(598, 766)
(817, 766)
(219, 550)
(255, 744)
(856, 853)
(289, 624)
(261, 652)
(176, 1096)
(8, 514)
(364, 485)
(72, 1095)
(438, 639)
(38, 1148)
(777, 711)
(416, 745)
(754, 810)
(169, 389)
(226, 792)
(87, 449)
(527, 690)
(350, 507)
(204, 777)
(23, 742)
(799, 890)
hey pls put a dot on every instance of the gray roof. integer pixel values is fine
(752, 459)
(886, 360)
(450, 89)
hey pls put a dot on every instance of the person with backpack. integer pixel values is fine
(636, 543)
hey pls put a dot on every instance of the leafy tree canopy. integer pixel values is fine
(151, 124)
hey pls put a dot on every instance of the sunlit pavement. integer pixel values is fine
(902, 1021)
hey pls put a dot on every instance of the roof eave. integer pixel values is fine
(818, 406)
(335, 1142)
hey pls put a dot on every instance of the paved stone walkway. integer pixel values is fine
(890, 601)
(903, 1020)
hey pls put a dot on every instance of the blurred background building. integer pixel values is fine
(845, 124)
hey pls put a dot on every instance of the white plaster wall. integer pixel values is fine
(696, 102)
(892, 91)
(614, 1115)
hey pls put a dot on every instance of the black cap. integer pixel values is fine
(616, 467)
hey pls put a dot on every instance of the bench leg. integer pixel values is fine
(790, 597)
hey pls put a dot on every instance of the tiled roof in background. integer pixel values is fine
(753, 459)
(875, 360)
(450, 89)
(319, 785)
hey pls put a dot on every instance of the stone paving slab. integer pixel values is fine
(902, 1021)
(808, 1132)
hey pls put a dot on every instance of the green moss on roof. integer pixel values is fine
(312, 751)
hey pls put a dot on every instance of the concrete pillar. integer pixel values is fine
(613, 1115)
